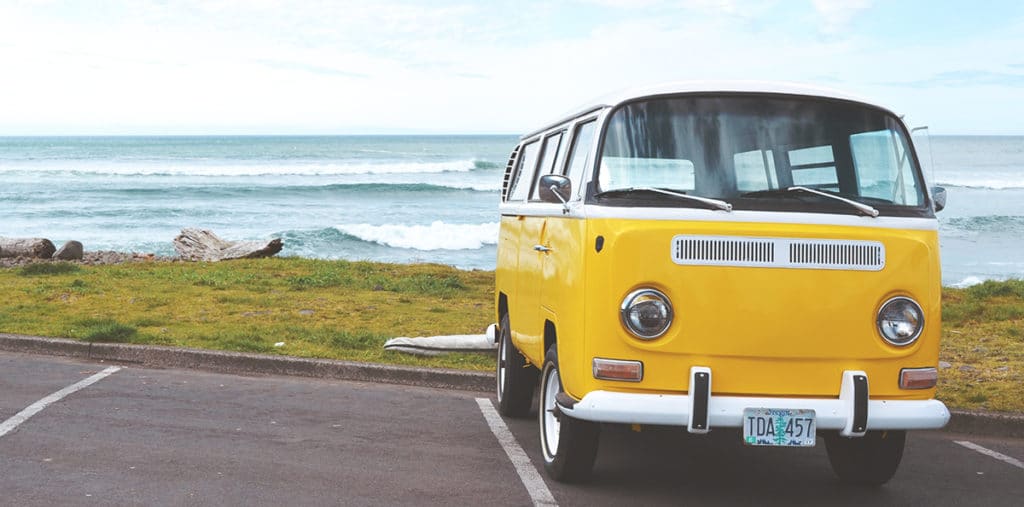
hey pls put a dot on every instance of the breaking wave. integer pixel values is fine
(436, 236)
(254, 168)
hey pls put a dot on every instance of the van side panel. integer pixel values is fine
(527, 324)
(505, 275)
(564, 292)
(762, 331)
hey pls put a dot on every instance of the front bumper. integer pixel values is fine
(853, 413)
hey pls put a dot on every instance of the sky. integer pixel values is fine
(449, 66)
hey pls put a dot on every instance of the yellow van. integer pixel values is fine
(762, 257)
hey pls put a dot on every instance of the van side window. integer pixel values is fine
(510, 170)
(580, 154)
(552, 152)
(525, 171)
(624, 172)
(632, 159)
(755, 170)
(815, 168)
(884, 170)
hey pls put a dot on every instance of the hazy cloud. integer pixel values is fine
(312, 69)
(966, 78)
(325, 65)
(837, 14)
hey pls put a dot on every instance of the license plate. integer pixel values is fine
(781, 427)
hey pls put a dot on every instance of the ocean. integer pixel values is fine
(398, 199)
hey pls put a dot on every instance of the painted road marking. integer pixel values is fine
(33, 409)
(990, 453)
(535, 485)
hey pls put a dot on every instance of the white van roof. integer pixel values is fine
(682, 87)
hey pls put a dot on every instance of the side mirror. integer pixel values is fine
(939, 198)
(555, 188)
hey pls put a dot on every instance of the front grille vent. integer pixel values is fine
(793, 253)
(724, 251)
(837, 254)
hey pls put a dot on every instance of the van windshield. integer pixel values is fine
(753, 151)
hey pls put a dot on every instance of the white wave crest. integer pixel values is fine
(479, 187)
(283, 168)
(436, 236)
(1008, 182)
(970, 281)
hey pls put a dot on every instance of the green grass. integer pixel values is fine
(323, 309)
(47, 268)
(103, 330)
(346, 310)
(983, 346)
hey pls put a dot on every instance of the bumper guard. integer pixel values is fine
(853, 413)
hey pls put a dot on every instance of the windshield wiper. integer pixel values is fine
(714, 203)
(863, 208)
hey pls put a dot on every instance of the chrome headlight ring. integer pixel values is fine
(900, 321)
(646, 313)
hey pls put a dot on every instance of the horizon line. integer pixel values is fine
(368, 134)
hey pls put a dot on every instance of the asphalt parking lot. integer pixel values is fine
(137, 436)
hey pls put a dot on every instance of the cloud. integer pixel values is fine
(456, 65)
(837, 14)
(964, 78)
(312, 69)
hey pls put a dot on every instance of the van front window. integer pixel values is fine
(747, 150)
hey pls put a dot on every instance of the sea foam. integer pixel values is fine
(436, 236)
(197, 168)
(969, 282)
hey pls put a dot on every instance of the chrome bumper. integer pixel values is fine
(842, 413)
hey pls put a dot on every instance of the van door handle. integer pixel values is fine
(541, 248)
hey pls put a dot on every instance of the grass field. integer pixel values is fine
(346, 310)
(983, 346)
(324, 309)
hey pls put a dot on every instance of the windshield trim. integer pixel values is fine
(916, 222)
(924, 210)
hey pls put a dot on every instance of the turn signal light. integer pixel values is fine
(918, 378)
(616, 369)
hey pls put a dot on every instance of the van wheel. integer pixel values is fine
(516, 379)
(569, 445)
(869, 460)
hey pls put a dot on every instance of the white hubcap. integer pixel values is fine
(502, 365)
(551, 424)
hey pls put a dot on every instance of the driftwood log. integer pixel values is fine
(204, 245)
(37, 248)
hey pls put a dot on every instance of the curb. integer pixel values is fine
(150, 356)
(158, 357)
(992, 424)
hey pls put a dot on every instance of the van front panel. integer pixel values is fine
(777, 330)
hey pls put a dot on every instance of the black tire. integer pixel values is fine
(516, 379)
(569, 445)
(870, 460)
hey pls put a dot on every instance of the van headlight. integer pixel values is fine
(900, 321)
(646, 313)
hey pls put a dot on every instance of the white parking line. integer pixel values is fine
(990, 453)
(539, 492)
(33, 409)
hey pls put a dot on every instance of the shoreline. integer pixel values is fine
(112, 257)
(93, 258)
